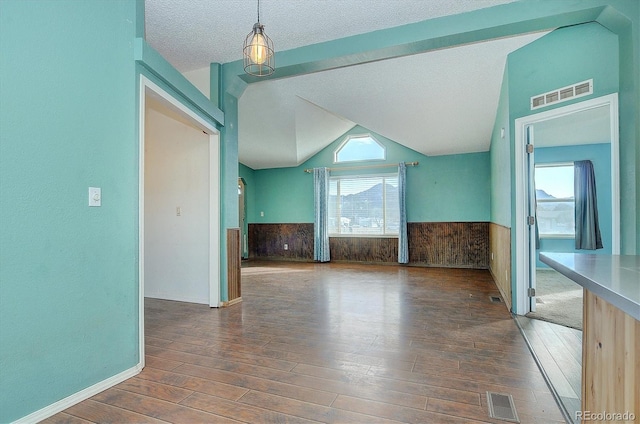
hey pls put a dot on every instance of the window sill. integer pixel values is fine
(557, 236)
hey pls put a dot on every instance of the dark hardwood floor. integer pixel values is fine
(338, 343)
(559, 350)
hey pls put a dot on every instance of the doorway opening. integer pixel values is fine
(242, 218)
(179, 210)
(557, 134)
(557, 298)
(550, 143)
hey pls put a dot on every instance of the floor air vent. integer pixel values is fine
(501, 407)
(495, 299)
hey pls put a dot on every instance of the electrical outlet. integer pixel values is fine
(178, 211)
(286, 246)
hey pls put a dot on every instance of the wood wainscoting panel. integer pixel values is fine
(364, 249)
(437, 244)
(449, 244)
(267, 241)
(234, 257)
(500, 259)
(610, 360)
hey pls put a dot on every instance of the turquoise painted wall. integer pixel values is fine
(283, 195)
(228, 95)
(452, 188)
(572, 54)
(441, 189)
(500, 153)
(600, 155)
(68, 272)
(560, 58)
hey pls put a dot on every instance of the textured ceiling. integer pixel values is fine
(191, 34)
(436, 103)
(440, 102)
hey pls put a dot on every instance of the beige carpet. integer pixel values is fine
(558, 299)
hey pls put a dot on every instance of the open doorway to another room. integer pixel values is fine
(242, 218)
(557, 298)
(179, 207)
(582, 131)
(559, 142)
(549, 306)
(176, 207)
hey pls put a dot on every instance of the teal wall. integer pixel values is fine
(569, 55)
(600, 156)
(452, 188)
(283, 195)
(228, 101)
(68, 272)
(575, 54)
(500, 153)
(561, 58)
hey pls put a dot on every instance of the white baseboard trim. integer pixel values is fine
(78, 397)
(177, 297)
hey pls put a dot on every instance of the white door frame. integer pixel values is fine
(522, 263)
(214, 196)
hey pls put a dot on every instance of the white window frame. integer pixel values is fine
(556, 200)
(384, 233)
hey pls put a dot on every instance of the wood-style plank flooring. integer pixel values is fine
(336, 343)
(559, 350)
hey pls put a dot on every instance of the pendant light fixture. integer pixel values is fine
(259, 59)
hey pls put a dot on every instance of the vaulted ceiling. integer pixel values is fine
(439, 102)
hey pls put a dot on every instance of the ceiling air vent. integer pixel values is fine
(562, 94)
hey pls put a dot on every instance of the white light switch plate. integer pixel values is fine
(95, 196)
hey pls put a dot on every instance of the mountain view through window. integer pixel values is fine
(364, 205)
(555, 200)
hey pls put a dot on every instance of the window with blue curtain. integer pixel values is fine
(403, 241)
(320, 227)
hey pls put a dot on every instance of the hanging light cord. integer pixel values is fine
(258, 11)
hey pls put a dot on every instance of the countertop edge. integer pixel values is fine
(621, 302)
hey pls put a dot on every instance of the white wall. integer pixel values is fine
(201, 79)
(176, 262)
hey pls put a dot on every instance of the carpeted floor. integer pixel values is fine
(558, 300)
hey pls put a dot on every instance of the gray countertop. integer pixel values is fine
(614, 278)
